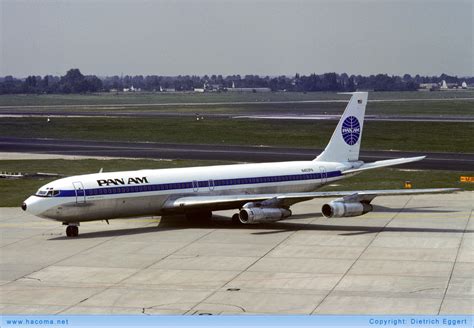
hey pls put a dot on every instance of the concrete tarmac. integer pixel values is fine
(412, 255)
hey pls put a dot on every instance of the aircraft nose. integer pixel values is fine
(32, 205)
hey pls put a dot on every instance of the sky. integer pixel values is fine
(186, 37)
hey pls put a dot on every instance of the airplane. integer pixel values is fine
(260, 193)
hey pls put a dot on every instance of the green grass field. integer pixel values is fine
(396, 108)
(407, 136)
(13, 192)
(407, 108)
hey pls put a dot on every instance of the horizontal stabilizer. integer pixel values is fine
(384, 163)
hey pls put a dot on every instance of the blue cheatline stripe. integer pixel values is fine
(201, 184)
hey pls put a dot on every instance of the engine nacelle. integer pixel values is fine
(339, 209)
(252, 215)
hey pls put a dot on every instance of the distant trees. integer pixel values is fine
(75, 82)
(72, 82)
(11, 85)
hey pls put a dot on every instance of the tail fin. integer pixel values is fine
(344, 145)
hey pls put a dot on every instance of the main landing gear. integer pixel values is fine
(72, 229)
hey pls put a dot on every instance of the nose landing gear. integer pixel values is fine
(72, 229)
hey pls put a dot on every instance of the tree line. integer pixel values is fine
(75, 82)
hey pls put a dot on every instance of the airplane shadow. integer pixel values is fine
(430, 209)
(179, 222)
(112, 233)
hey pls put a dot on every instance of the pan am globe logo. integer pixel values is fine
(351, 130)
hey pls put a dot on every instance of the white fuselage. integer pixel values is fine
(144, 192)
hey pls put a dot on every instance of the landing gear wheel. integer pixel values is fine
(72, 231)
(236, 219)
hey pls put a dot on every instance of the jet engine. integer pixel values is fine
(339, 209)
(252, 215)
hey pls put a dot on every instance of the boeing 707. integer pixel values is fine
(259, 193)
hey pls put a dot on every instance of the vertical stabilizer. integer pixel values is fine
(345, 142)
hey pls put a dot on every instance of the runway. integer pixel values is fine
(412, 255)
(434, 161)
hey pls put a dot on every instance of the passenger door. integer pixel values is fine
(80, 192)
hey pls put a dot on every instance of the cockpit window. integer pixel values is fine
(41, 193)
(48, 192)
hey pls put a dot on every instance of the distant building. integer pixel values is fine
(249, 89)
(210, 88)
(428, 87)
(234, 89)
(132, 89)
(447, 86)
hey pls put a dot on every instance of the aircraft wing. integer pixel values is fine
(224, 202)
